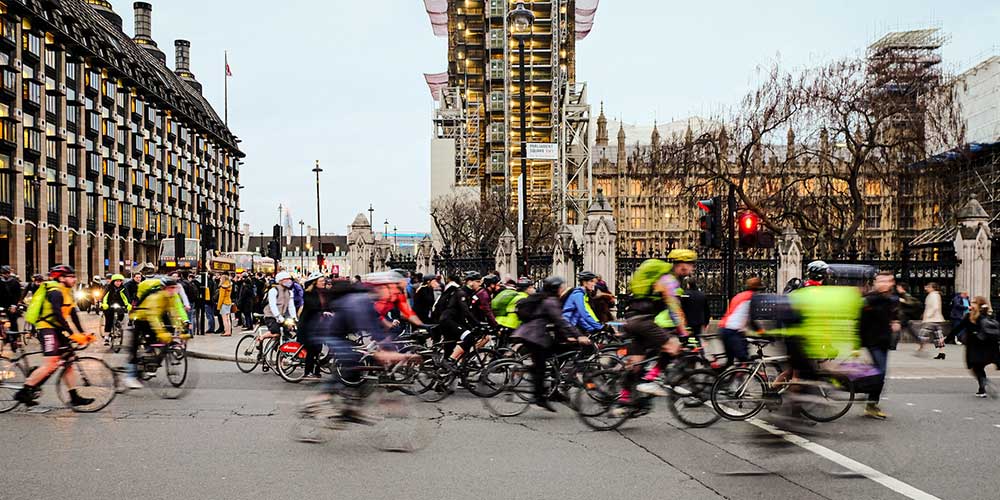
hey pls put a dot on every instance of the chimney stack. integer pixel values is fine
(182, 64)
(144, 30)
(104, 8)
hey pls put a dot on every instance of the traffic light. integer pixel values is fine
(208, 238)
(179, 250)
(711, 222)
(274, 250)
(749, 230)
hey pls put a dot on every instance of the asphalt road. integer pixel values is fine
(231, 438)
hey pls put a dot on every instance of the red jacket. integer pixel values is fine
(395, 300)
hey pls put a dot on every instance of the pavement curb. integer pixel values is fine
(211, 356)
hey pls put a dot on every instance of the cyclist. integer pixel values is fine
(424, 297)
(316, 311)
(504, 305)
(279, 311)
(817, 272)
(735, 322)
(31, 288)
(457, 320)
(158, 311)
(51, 309)
(132, 287)
(482, 300)
(545, 329)
(10, 295)
(395, 300)
(576, 310)
(114, 295)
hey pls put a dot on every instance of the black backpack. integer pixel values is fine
(989, 328)
(442, 303)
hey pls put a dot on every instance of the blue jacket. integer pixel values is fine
(577, 312)
(298, 294)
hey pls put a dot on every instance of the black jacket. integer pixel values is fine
(877, 315)
(695, 308)
(10, 291)
(459, 308)
(423, 302)
(978, 352)
(543, 322)
(131, 289)
(245, 297)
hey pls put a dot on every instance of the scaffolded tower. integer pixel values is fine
(478, 97)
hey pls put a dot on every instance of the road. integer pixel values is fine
(230, 438)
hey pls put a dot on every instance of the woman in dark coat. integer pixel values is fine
(981, 350)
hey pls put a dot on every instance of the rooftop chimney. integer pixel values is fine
(144, 30)
(182, 64)
(104, 8)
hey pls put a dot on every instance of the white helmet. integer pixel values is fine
(313, 277)
(283, 275)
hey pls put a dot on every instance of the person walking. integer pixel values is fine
(244, 301)
(225, 304)
(211, 301)
(933, 321)
(879, 320)
(909, 311)
(959, 309)
(981, 347)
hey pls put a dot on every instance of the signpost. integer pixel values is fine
(543, 151)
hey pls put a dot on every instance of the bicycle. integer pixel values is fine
(438, 374)
(165, 367)
(258, 348)
(92, 378)
(116, 337)
(741, 392)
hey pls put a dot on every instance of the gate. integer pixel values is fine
(916, 267)
(453, 265)
(402, 261)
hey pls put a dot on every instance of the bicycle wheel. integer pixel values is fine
(399, 425)
(11, 380)
(247, 357)
(269, 355)
(739, 394)
(174, 378)
(117, 337)
(404, 375)
(596, 401)
(689, 399)
(474, 366)
(92, 378)
(494, 378)
(291, 365)
(828, 399)
(435, 381)
(516, 393)
(316, 423)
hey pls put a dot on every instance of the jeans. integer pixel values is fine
(209, 318)
(980, 372)
(880, 357)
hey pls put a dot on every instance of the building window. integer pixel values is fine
(50, 58)
(71, 71)
(53, 200)
(74, 204)
(873, 216)
(30, 194)
(51, 149)
(72, 115)
(497, 69)
(497, 37)
(32, 43)
(906, 218)
(6, 179)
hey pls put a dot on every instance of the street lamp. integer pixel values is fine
(371, 217)
(395, 234)
(302, 245)
(385, 233)
(521, 20)
(319, 225)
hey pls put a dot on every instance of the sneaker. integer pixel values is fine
(76, 399)
(356, 416)
(545, 405)
(27, 396)
(652, 388)
(131, 383)
(981, 395)
(939, 356)
(873, 411)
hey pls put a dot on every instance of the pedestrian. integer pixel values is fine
(423, 298)
(909, 310)
(245, 302)
(211, 299)
(879, 320)
(981, 347)
(932, 322)
(317, 312)
(225, 304)
(959, 309)
(10, 296)
(695, 308)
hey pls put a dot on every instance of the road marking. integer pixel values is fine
(997, 426)
(909, 404)
(925, 377)
(936, 411)
(846, 462)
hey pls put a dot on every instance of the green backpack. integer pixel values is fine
(645, 277)
(34, 313)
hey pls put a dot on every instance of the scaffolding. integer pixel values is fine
(454, 118)
(573, 175)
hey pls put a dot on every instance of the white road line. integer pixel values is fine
(927, 377)
(846, 462)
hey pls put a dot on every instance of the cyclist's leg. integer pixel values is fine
(348, 359)
(53, 345)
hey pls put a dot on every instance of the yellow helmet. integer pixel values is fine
(118, 277)
(682, 255)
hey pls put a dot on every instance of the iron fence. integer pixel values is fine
(449, 264)
(917, 267)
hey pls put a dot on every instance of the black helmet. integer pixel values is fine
(37, 277)
(585, 276)
(523, 283)
(552, 285)
(168, 281)
(491, 279)
(472, 276)
(5, 269)
(60, 270)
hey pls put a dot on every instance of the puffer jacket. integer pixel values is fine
(543, 324)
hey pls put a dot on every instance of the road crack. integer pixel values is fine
(672, 466)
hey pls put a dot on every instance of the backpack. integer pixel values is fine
(442, 303)
(502, 301)
(989, 327)
(34, 313)
(645, 277)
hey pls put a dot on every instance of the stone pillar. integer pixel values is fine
(383, 252)
(505, 257)
(97, 263)
(116, 255)
(599, 234)
(129, 254)
(425, 256)
(42, 243)
(973, 250)
(789, 257)
(360, 245)
(562, 255)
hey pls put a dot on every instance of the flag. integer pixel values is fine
(229, 72)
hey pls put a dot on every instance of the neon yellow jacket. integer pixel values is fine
(830, 314)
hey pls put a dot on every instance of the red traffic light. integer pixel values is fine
(749, 223)
(705, 205)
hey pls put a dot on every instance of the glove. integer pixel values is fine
(185, 336)
(289, 323)
(164, 337)
(81, 338)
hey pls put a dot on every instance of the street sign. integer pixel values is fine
(543, 151)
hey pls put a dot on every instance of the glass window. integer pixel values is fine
(74, 204)
(30, 194)
(71, 70)
(53, 198)
(50, 58)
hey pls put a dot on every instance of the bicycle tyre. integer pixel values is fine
(474, 367)
(692, 407)
(174, 378)
(837, 391)
(516, 392)
(597, 399)
(247, 356)
(94, 379)
(290, 367)
(745, 405)
(435, 382)
(12, 379)
(117, 338)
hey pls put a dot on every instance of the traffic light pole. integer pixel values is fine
(204, 274)
(730, 246)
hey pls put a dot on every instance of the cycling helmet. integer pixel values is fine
(313, 277)
(37, 277)
(552, 285)
(586, 276)
(117, 277)
(817, 270)
(403, 273)
(523, 283)
(61, 270)
(491, 279)
(472, 276)
(283, 275)
(383, 278)
(682, 255)
(168, 281)
(5, 269)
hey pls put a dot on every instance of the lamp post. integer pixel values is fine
(385, 232)
(319, 225)
(371, 217)
(302, 246)
(521, 20)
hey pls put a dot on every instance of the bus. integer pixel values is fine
(251, 262)
(189, 261)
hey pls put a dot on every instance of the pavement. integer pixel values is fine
(230, 438)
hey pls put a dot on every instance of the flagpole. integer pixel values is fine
(225, 77)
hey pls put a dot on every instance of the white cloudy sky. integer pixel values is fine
(341, 81)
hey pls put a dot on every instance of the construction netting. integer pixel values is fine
(437, 11)
(586, 11)
(436, 82)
